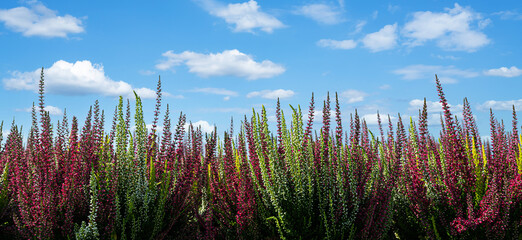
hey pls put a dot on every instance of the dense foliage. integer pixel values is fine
(64, 182)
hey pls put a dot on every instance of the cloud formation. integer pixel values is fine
(353, 96)
(272, 94)
(501, 105)
(245, 16)
(79, 78)
(433, 107)
(446, 74)
(226, 63)
(204, 125)
(217, 91)
(504, 72)
(372, 119)
(38, 20)
(509, 15)
(321, 13)
(337, 44)
(458, 29)
(51, 109)
(384, 39)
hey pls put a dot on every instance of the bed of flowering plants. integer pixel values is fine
(73, 181)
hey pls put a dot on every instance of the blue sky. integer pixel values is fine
(220, 59)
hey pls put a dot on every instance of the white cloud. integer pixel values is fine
(205, 126)
(417, 104)
(501, 105)
(226, 63)
(79, 78)
(321, 13)
(38, 20)
(353, 96)
(371, 119)
(509, 15)
(433, 107)
(504, 72)
(51, 109)
(336, 44)
(446, 73)
(145, 93)
(452, 30)
(445, 57)
(245, 16)
(149, 128)
(384, 39)
(272, 94)
(318, 115)
(226, 98)
(217, 91)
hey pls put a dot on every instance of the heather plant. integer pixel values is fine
(11, 154)
(135, 196)
(174, 171)
(45, 185)
(230, 193)
(139, 188)
(459, 186)
(71, 181)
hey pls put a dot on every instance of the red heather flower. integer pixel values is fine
(457, 163)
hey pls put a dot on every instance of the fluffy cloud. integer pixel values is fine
(51, 109)
(384, 39)
(145, 93)
(38, 20)
(371, 119)
(336, 44)
(272, 94)
(321, 13)
(245, 16)
(226, 63)
(501, 105)
(433, 107)
(353, 96)
(504, 72)
(79, 78)
(446, 74)
(217, 91)
(205, 126)
(318, 115)
(455, 29)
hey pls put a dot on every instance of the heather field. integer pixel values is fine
(260, 120)
(69, 180)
